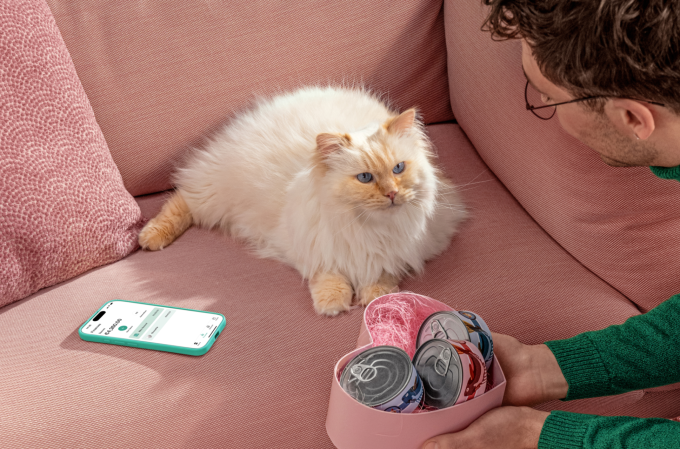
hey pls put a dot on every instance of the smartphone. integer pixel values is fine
(151, 326)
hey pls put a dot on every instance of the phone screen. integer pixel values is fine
(152, 323)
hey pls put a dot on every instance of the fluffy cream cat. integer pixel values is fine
(328, 180)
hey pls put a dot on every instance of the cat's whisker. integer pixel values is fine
(365, 220)
(477, 176)
(352, 208)
(475, 183)
(350, 223)
(423, 206)
(446, 200)
(447, 190)
(460, 187)
(465, 190)
(449, 206)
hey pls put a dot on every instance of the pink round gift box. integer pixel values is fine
(352, 425)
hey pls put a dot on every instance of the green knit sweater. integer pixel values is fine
(643, 352)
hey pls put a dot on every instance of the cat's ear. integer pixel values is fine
(401, 123)
(327, 143)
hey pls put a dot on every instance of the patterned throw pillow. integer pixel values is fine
(63, 206)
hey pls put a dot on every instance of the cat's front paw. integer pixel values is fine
(368, 294)
(173, 219)
(154, 237)
(331, 293)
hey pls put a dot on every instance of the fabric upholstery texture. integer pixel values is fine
(622, 224)
(63, 206)
(266, 381)
(161, 74)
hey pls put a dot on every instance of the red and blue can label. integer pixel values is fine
(410, 400)
(480, 334)
(452, 372)
(474, 379)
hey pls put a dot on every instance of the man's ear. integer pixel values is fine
(401, 123)
(328, 143)
(631, 118)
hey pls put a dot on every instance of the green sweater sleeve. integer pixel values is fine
(564, 430)
(641, 353)
(667, 172)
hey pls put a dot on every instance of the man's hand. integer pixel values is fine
(532, 373)
(500, 428)
(533, 376)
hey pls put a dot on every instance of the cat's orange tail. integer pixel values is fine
(170, 223)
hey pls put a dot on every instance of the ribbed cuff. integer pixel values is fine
(564, 430)
(582, 367)
(667, 172)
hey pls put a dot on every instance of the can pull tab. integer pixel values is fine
(441, 365)
(437, 328)
(364, 373)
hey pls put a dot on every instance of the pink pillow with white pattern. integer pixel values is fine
(63, 206)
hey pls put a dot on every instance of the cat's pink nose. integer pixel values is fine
(391, 195)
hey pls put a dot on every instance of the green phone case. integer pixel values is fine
(151, 345)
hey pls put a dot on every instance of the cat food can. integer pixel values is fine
(444, 326)
(384, 378)
(480, 335)
(477, 383)
(452, 371)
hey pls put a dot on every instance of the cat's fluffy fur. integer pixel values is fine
(283, 176)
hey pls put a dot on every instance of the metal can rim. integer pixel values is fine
(448, 312)
(457, 357)
(401, 352)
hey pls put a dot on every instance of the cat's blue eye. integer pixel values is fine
(398, 168)
(364, 177)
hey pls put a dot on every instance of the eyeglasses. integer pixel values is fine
(548, 111)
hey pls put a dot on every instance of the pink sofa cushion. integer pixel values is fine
(160, 74)
(622, 224)
(63, 205)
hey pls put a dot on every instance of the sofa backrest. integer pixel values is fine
(622, 224)
(161, 74)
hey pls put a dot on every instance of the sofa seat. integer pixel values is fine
(266, 381)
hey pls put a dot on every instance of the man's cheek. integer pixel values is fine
(579, 125)
(568, 125)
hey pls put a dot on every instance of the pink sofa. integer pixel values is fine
(557, 243)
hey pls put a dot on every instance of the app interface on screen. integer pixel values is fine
(157, 324)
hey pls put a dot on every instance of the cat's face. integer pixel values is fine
(381, 167)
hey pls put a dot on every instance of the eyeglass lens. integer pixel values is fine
(533, 97)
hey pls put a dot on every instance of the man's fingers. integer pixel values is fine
(458, 440)
(437, 443)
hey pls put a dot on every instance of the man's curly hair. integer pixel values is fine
(613, 48)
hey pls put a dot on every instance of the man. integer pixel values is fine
(610, 70)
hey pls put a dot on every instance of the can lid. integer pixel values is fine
(377, 375)
(444, 326)
(441, 371)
